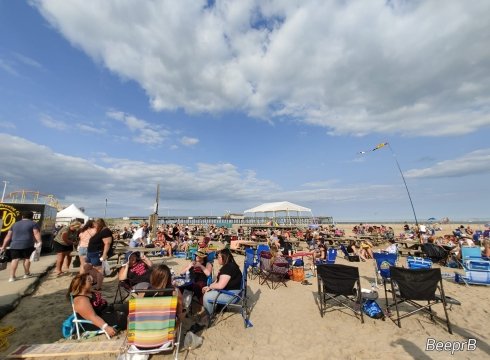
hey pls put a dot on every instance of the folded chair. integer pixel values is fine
(477, 272)
(152, 324)
(414, 262)
(342, 285)
(236, 302)
(412, 286)
(261, 248)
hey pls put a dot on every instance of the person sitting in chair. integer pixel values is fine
(201, 269)
(90, 305)
(161, 278)
(136, 271)
(352, 249)
(392, 248)
(229, 278)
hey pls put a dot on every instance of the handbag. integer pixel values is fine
(3, 261)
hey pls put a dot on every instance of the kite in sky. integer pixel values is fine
(379, 146)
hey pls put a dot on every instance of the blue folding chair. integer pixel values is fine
(261, 248)
(251, 263)
(382, 263)
(331, 256)
(470, 253)
(477, 272)
(414, 262)
(238, 301)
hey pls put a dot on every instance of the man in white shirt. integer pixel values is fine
(392, 248)
(139, 236)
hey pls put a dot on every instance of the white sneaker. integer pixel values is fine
(11, 279)
(27, 276)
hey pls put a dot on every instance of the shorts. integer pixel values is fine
(82, 251)
(59, 248)
(94, 258)
(21, 253)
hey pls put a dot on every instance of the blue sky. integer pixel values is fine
(229, 104)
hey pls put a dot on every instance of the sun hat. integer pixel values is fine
(76, 224)
(128, 255)
(201, 254)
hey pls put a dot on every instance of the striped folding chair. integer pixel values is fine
(152, 325)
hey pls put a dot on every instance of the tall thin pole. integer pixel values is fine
(4, 188)
(105, 209)
(406, 187)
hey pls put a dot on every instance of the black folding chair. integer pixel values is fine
(413, 285)
(123, 291)
(341, 284)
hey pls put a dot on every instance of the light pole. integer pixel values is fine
(4, 188)
(105, 209)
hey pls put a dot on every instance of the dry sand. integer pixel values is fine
(287, 324)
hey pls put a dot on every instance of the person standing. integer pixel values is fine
(22, 235)
(99, 247)
(63, 245)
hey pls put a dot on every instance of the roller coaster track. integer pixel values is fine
(33, 197)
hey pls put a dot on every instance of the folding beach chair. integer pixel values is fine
(435, 253)
(73, 325)
(265, 265)
(382, 264)
(340, 283)
(413, 285)
(331, 256)
(261, 248)
(414, 262)
(236, 302)
(471, 253)
(152, 324)
(191, 251)
(252, 263)
(122, 292)
(279, 272)
(347, 256)
(477, 272)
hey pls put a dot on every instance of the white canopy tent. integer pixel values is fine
(70, 213)
(280, 207)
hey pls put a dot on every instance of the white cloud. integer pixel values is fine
(28, 61)
(353, 67)
(90, 129)
(7, 125)
(7, 67)
(476, 162)
(144, 132)
(188, 141)
(51, 123)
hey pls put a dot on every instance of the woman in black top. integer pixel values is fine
(100, 245)
(229, 278)
(201, 269)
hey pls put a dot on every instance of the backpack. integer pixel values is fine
(372, 309)
(67, 327)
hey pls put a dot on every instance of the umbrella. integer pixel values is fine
(431, 219)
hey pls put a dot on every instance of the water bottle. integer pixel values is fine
(187, 276)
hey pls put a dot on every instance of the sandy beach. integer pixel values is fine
(286, 323)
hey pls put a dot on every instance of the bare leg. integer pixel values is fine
(59, 262)
(13, 267)
(27, 266)
(82, 264)
(67, 261)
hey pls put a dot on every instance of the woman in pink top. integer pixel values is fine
(86, 232)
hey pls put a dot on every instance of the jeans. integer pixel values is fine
(212, 295)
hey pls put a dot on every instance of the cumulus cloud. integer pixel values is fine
(7, 125)
(90, 129)
(352, 67)
(130, 184)
(188, 141)
(144, 132)
(473, 163)
(51, 123)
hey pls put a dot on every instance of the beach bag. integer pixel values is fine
(67, 327)
(36, 253)
(106, 268)
(3, 260)
(298, 273)
(372, 309)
